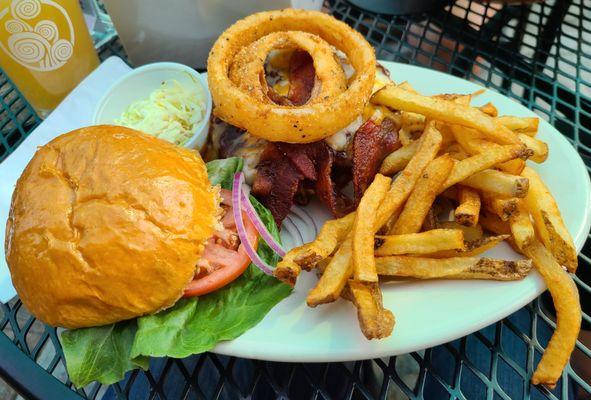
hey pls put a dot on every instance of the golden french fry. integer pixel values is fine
(397, 160)
(457, 98)
(492, 223)
(446, 133)
(455, 151)
(446, 111)
(335, 276)
(498, 182)
(421, 198)
(482, 161)
(568, 315)
(452, 268)
(431, 222)
(412, 122)
(404, 183)
(473, 248)
(490, 109)
(473, 143)
(501, 206)
(375, 321)
(539, 148)
(463, 134)
(420, 243)
(332, 233)
(405, 136)
(478, 92)
(364, 268)
(527, 125)
(468, 210)
(521, 226)
(471, 233)
(407, 86)
(548, 222)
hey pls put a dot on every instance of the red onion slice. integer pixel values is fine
(237, 195)
(260, 226)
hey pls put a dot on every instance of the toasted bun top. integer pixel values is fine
(107, 224)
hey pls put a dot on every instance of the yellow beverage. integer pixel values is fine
(45, 49)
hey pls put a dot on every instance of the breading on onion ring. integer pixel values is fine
(310, 122)
(247, 71)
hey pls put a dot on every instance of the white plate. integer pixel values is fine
(427, 313)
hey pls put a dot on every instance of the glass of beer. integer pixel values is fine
(45, 49)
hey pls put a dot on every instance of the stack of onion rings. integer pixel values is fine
(238, 87)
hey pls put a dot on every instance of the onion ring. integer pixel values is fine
(310, 122)
(247, 71)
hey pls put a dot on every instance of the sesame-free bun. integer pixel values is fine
(107, 224)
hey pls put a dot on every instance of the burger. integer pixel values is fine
(290, 76)
(112, 230)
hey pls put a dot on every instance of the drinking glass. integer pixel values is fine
(45, 49)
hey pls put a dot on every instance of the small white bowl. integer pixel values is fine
(139, 83)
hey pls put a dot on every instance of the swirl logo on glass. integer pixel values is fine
(36, 43)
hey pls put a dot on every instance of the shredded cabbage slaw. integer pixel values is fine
(172, 112)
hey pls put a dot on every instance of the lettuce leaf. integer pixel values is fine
(100, 353)
(191, 326)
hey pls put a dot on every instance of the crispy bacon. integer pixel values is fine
(286, 170)
(326, 190)
(302, 77)
(276, 182)
(371, 144)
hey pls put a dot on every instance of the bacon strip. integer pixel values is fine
(302, 77)
(371, 144)
(276, 182)
(326, 190)
(286, 168)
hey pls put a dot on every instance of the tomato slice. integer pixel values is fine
(222, 262)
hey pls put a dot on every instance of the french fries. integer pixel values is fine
(397, 160)
(521, 227)
(566, 302)
(474, 143)
(469, 166)
(501, 206)
(461, 163)
(332, 233)
(490, 109)
(363, 229)
(375, 321)
(472, 248)
(468, 210)
(404, 183)
(494, 224)
(414, 212)
(537, 147)
(548, 222)
(428, 242)
(500, 183)
(568, 315)
(443, 110)
(471, 233)
(452, 268)
(527, 125)
(334, 278)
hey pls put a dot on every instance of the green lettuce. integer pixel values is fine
(191, 326)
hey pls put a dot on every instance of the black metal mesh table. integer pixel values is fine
(538, 54)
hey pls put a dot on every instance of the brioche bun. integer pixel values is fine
(107, 224)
